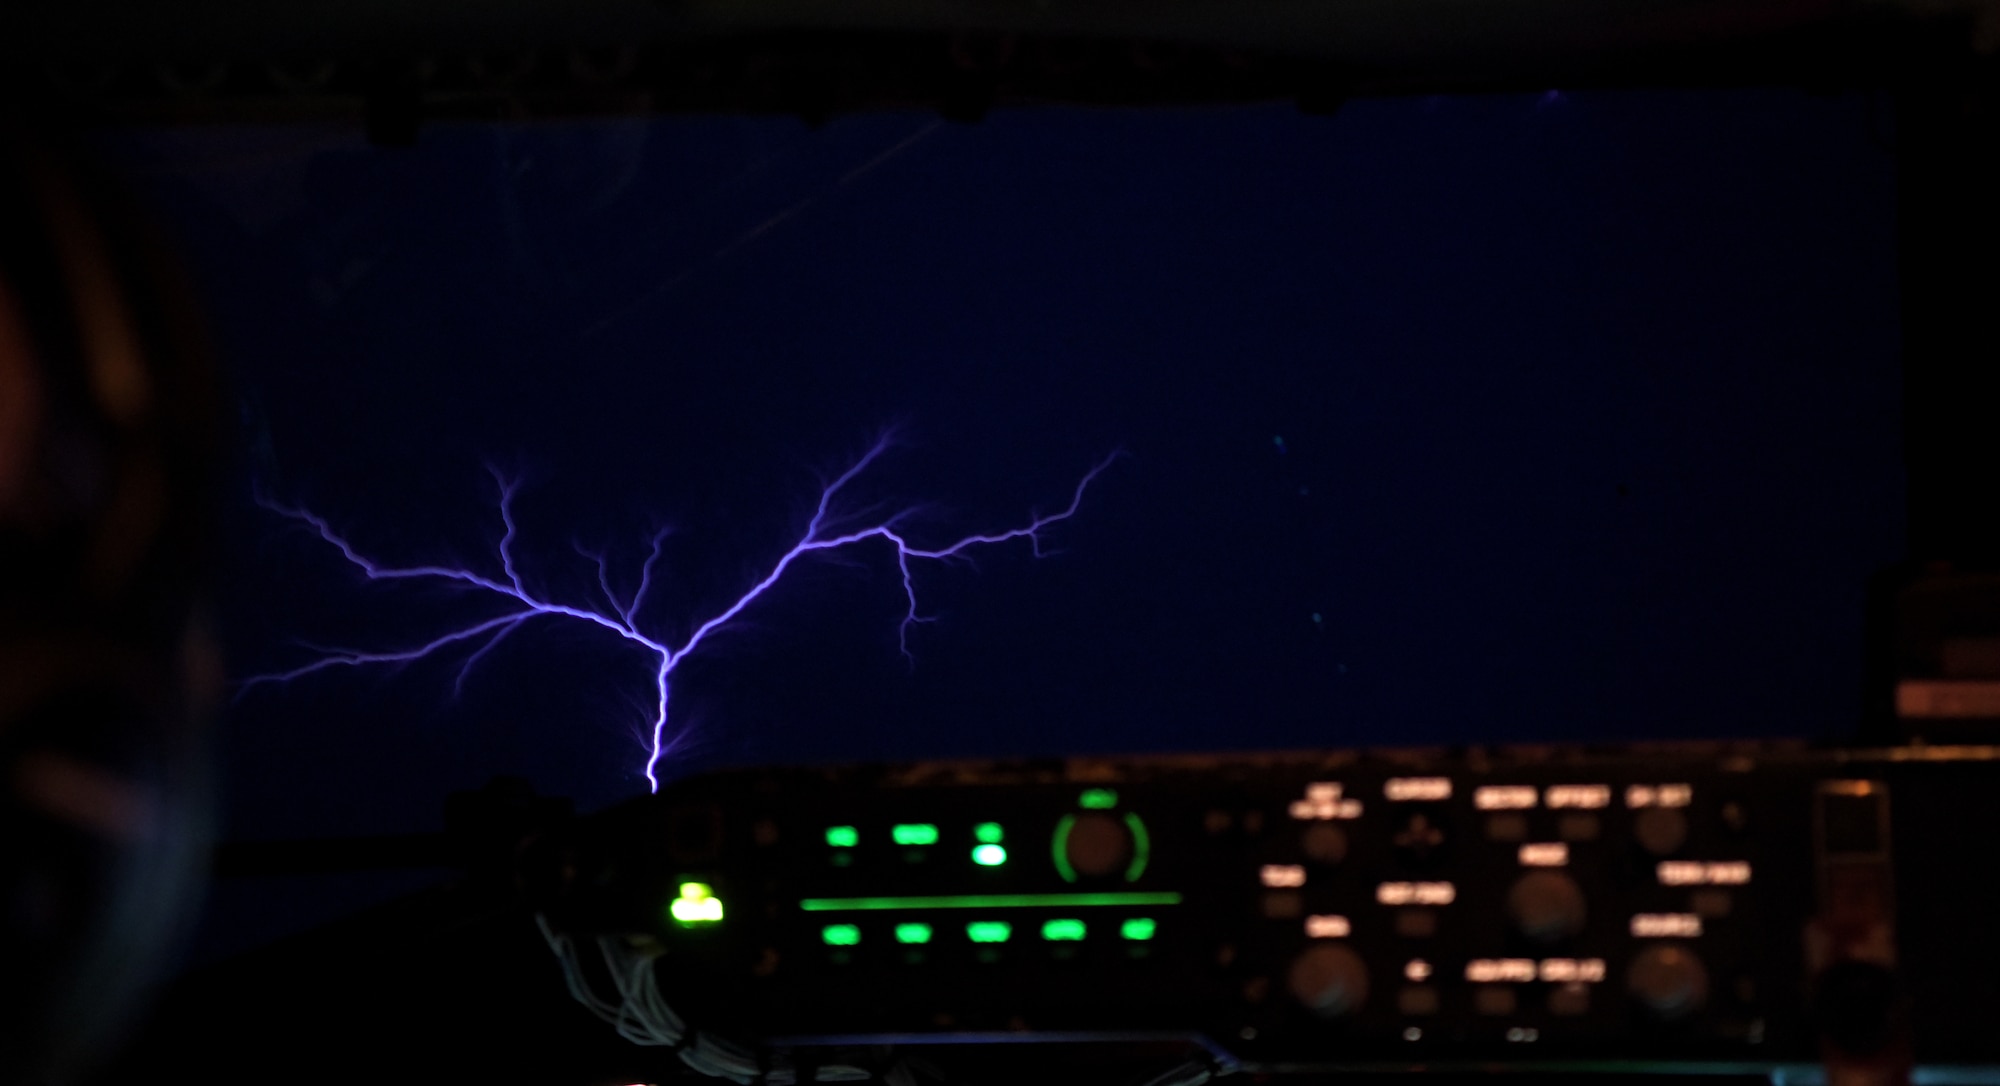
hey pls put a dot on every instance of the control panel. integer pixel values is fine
(1677, 908)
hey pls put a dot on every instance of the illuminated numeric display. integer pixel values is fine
(1571, 970)
(1416, 893)
(1412, 789)
(1586, 796)
(1547, 854)
(1324, 802)
(1552, 970)
(914, 833)
(843, 836)
(1697, 873)
(1328, 926)
(989, 931)
(1282, 875)
(1655, 925)
(1492, 970)
(1659, 795)
(913, 933)
(1504, 797)
(840, 934)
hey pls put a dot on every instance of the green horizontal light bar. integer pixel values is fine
(989, 833)
(840, 934)
(989, 855)
(1138, 929)
(914, 833)
(913, 933)
(1062, 931)
(988, 931)
(987, 901)
(843, 836)
(1098, 799)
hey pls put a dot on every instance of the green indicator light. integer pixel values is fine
(988, 833)
(697, 904)
(1142, 847)
(1062, 931)
(1138, 929)
(914, 833)
(989, 931)
(1098, 799)
(843, 836)
(989, 855)
(840, 934)
(988, 901)
(1060, 848)
(913, 933)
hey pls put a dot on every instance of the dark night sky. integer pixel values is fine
(1589, 411)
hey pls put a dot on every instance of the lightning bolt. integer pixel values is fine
(827, 531)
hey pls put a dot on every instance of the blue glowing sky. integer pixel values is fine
(1589, 420)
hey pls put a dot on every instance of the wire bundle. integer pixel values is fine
(640, 1015)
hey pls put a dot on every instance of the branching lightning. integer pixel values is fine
(828, 530)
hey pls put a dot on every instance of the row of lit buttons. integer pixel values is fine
(915, 933)
(987, 852)
(1550, 854)
(1323, 799)
(1493, 994)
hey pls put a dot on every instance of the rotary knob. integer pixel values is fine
(1668, 981)
(1547, 906)
(1329, 979)
(1661, 831)
(1419, 840)
(1098, 845)
(1324, 843)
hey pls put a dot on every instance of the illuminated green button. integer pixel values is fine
(988, 833)
(1098, 799)
(843, 836)
(989, 931)
(914, 833)
(1062, 931)
(913, 933)
(1138, 929)
(1131, 899)
(840, 935)
(696, 904)
(989, 855)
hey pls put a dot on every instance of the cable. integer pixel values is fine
(1194, 1072)
(640, 1015)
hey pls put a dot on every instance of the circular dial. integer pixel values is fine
(1329, 979)
(1419, 839)
(1668, 981)
(1547, 906)
(1324, 843)
(1098, 845)
(1661, 830)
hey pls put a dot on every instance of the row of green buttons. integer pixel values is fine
(1136, 929)
(988, 853)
